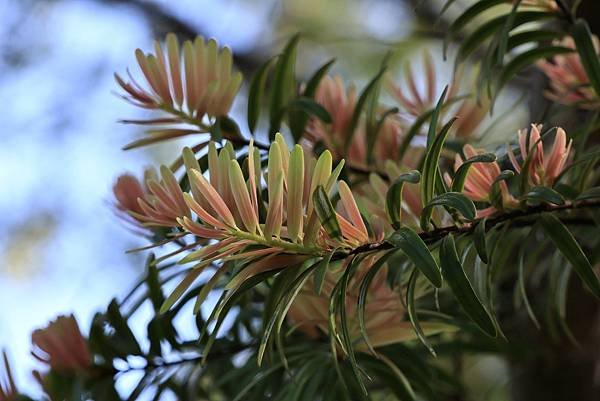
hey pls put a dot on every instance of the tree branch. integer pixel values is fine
(162, 22)
(518, 218)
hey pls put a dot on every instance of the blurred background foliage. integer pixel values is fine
(61, 248)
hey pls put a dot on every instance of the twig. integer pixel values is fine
(514, 217)
(152, 365)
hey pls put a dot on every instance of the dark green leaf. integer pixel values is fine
(393, 204)
(255, 94)
(454, 200)
(521, 282)
(587, 53)
(101, 389)
(283, 84)
(435, 116)
(526, 59)
(360, 104)
(445, 7)
(430, 171)
(504, 35)
(154, 288)
(259, 377)
(477, 37)
(277, 291)
(283, 305)
(496, 195)
(460, 177)
(467, 16)
(413, 246)
(297, 119)
(373, 134)
(315, 80)
(489, 70)
(326, 213)
(566, 191)
(592, 193)
(390, 375)
(544, 194)
(458, 282)
(346, 336)
(123, 335)
(372, 110)
(538, 35)
(584, 158)
(227, 300)
(310, 107)
(225, 127)
(479, 240)
(363, 293)
(321, 272)
(566, 243)
(416, 126)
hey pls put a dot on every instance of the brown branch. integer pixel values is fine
(152, 365)
(518, 218)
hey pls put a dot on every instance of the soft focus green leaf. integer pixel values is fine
(224, 304)
(587, 53)
(504, 35)
(311, 108)
(537, 35)
(467, 16)
(283, 84)
(435, 116)
(521, 283)
(373, 133)
(315, 80)
(446, 6)
(255, 94)
(525, 59)
(487, 29)
(297, 118)
(418, 123)
(591, 157)
(360, 104)
(566, 243)
(458, 282)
